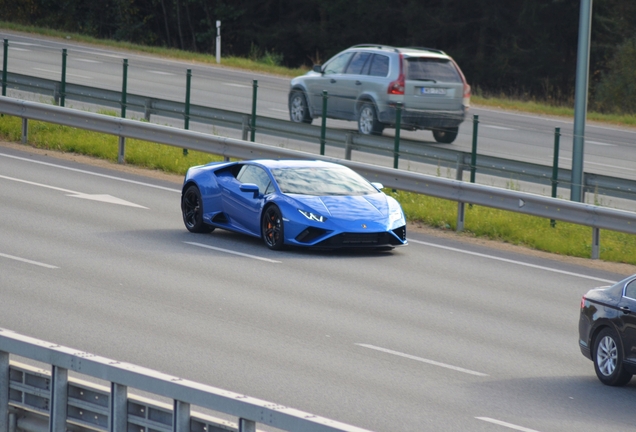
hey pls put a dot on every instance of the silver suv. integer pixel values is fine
(365, 82)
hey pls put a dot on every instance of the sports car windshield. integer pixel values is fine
(322, 181)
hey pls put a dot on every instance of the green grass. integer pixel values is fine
(514, 228)
(518, 229)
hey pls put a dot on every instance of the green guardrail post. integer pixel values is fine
(396, 143)
(473, 154)
(124, 83)
(5, 56)
(253, 127)
(186, 124)
(63, 83)
(323, 124)
(121, 156)
(555, 168)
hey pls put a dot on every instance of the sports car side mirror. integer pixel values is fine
(250, 188)
(378, 186)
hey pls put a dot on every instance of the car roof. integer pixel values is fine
(407, 51)
(293, 163)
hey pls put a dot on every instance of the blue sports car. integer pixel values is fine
(292, 203)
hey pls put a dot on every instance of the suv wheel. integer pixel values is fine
(298, 110)
(445, 135)
(368, 123)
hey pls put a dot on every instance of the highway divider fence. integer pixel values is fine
(455, 190)
(40, 400)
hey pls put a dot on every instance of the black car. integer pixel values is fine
(607, 331)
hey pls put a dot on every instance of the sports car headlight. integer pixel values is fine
(312, 216)
(396, 215)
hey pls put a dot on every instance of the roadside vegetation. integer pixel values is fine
(532, 232)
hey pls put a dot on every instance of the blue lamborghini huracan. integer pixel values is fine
(292, 203)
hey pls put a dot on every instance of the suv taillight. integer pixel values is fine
(397, 87)
(466, 100)
(583, 302)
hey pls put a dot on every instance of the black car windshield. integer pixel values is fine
(321, 181)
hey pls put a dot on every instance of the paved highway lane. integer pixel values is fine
(438, 335)
(609, 150)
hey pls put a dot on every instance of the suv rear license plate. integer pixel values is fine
(433, 91)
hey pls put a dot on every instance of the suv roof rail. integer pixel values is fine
(375, 46)
(426, 49)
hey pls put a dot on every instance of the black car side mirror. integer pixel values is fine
(317, 68)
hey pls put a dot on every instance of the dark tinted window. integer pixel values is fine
(322, 181)
(379, 66)
(256, 175)
(358, 63)
(338, 64)
(630, 290)
(422, 68)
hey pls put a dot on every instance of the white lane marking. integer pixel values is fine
(57, 72)
(504, 424)
(233, 252)
(159, 72)
(91, 173)
(423, 360)
(497, 127)
(512, 261)
(600, 143)
(87, 60)
(599, 164)
(18, 49)
(24, 260)
(93, 197)
(237, 85)
(279, 110)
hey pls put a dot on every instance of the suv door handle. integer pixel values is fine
(358, 83)
(332, 81)
(625, 310)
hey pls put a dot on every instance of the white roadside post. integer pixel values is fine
(218, 41)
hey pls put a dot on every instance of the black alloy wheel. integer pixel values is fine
(445, 135)
(192, 211)
(608, 359)
(272, 228)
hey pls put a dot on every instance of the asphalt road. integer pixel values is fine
(609, 150)
(437, 335)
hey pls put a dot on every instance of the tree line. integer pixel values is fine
(519, 48)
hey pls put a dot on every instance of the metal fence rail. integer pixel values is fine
(409, 149)
(463, 192)
(39, 400)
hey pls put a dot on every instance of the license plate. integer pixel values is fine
(433, 91)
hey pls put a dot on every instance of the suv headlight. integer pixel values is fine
(312, 216)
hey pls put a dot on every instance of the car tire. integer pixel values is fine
(608, 359)
(368, 123)
(272, 228)
(192, 211)
(445, 135)
(298, 109)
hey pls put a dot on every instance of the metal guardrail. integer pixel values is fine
(36, 400)
(463, 192)
(409, 149)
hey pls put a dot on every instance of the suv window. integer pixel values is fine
(423, 68)
(338, 64)
(379, 66)
(358, 63)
